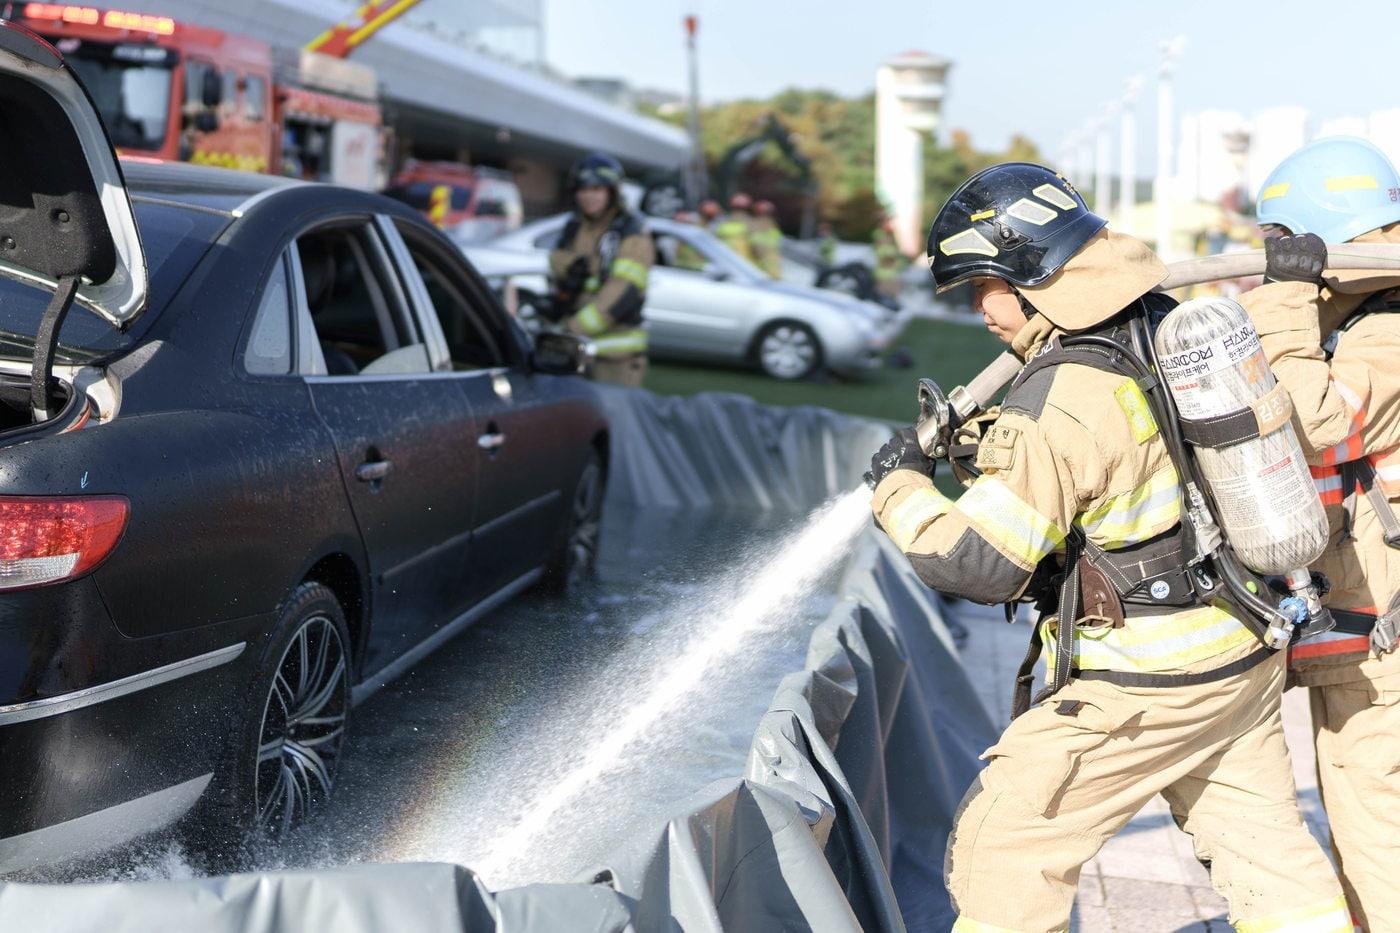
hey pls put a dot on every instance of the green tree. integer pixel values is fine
(837, 134)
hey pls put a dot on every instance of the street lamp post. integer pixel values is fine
(1103, 176)
(1162, 187)
(1127, 157)
(696, 183)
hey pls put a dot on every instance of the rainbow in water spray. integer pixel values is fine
(761, 593)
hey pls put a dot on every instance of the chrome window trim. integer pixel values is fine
(418, 303)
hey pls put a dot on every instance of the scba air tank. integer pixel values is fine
(1237, 420)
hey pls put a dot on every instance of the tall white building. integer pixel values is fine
(908, 103)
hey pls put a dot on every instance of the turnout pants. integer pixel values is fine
(1075, 769)
(621, 370)
(1356, 730)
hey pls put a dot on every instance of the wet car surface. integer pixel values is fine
(444, 760)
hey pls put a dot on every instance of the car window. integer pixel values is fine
(476, 337)
(269, 351)
(194, 85)
(489, 206)
(360, 327)
(255, 98)
(229, 105)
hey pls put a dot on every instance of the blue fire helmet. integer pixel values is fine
(1338, 188)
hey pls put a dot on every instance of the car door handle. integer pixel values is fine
(377, 470)
(491, 441)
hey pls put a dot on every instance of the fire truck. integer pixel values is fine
(176, 91)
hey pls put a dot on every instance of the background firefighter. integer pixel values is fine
(889, 261)
(1168, 695)
(735, 227)
(766, 240)
(1334, 345)
(599, 271)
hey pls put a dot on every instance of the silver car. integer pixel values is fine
(727, 312)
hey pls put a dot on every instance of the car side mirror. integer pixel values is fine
(206, 121)
(561, 354)
(714, 273)
(211, 90)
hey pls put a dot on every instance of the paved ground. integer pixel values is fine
(1145, 880)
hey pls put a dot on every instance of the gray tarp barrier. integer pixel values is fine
(839, 822)
(727, 451)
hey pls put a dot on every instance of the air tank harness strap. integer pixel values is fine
(1361, 473)
(1067, 609)
(1133, 679)
(1383, 630)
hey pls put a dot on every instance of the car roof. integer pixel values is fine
(200, 186)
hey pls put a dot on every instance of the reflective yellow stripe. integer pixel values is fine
(631, 271)
(1159, 643)
(1351, 183)
(621, 342)
(1135, 516)
(591, 320)
(1018, 530)
(909, 519)
(1274, 191)
(1325, 917)
(964, 925)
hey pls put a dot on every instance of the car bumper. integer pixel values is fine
(101, 741)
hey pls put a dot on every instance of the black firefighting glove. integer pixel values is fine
(901, 452)
(1298, 258)
(566, 291)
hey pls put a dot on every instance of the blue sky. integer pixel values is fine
(1039, 68)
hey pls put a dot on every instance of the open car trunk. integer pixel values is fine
(68, 409)
(66, 223)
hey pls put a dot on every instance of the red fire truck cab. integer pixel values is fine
(176, 91)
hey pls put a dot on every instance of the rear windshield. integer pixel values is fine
(174, 239)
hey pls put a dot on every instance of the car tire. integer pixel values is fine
(299, 701)
(575, 552)
(788, 350)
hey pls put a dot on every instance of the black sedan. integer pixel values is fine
(285, 443)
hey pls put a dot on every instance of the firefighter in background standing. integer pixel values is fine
(599, 272)
(1153, 689)
(1334, 343)
(709, 213)
(889, 261)
(766, 240)
(826, 245)
(734, 228)
(687, 256)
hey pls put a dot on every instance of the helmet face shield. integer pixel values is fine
(1017, 221)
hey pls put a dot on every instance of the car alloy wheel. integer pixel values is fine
(303, 727)
(788, 351)
(586, 521)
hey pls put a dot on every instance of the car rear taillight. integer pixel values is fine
(45, 540)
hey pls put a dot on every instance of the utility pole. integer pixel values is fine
(1162, 192)
(697, 184)
(1127, 157)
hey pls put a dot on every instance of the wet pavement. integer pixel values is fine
(445, 760)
